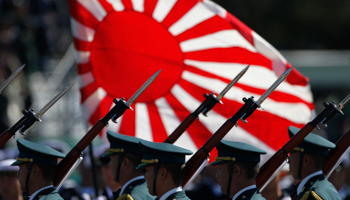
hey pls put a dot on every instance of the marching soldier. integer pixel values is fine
(37, 164)
(238, 166)
(125, 154)
(9, 185)
(306, 162)
(163, 163)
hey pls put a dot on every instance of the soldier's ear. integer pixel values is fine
(162, 173)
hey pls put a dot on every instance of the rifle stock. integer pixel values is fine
(197, 159)
(68, 162)
(4, 137)
(281, 155)
(118, 110)
(180, 129)
(334, 155)
(267, 170)
(24, 123)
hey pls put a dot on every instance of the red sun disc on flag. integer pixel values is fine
(127, 54)
(200, 48)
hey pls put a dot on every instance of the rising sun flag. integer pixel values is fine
(200, 48)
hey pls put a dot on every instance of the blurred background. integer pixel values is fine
(313, 36)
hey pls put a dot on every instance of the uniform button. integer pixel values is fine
(243, 197)
(311, 183)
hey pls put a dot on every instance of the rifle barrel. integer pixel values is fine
(335, 154)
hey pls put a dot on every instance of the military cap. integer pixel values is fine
(37, 153)
(6, 169)
(312, 143)
(162, 153)
(122, 143)
(237, 151)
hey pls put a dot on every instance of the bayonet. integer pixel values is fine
(344, 102)
(29, 118)
(11, 78)
(273, 86)
(257, 103)
(234, 81)
(54, 100)
(142, 88)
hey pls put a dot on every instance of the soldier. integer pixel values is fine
(37, 165)
(125, 154)
(238, 166)
(9, 185)
(306, 162)
(164, 163)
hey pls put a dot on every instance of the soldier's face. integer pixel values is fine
(222, 176)
(22, 175)
(149, 173)
(294, 163)
(113, 164)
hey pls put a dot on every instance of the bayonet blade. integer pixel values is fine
(11, 78)
(274, 86)
(344, 102)
(234, 81)
(54, 100)
(142, 88)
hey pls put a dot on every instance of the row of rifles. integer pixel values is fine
(196, 163)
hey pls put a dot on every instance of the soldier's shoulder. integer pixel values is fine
(140, 192)
(322, 190)
(52, 196)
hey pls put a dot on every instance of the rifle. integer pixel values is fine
(11, 78)
(29, 118)
(335, 156)
(209, 102)
(269, 168)
(243, 113)
(70, 161)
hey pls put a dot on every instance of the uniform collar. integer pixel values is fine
(35, 193)
(243, 190)
(170, 192)
(306, 179)
(130, 181)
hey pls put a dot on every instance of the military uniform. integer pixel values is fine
(32, 153)
(135, 188)
(232, 152)
(157, 153)
(315, 185)
(48, 193)
(249, 193)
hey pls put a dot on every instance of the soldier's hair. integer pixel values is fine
(48, 171)
(135, 159)
(251, 169)
(175, 171)
(319, 160)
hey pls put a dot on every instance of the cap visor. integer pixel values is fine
(17, 162)
(108, 154)
(142, 165)
(217, 162)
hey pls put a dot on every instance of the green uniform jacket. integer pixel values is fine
(252, 194)
(48, 194)
(136, 190)
(318, 187)
(178, 196)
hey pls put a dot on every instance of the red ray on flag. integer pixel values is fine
(200, 48)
